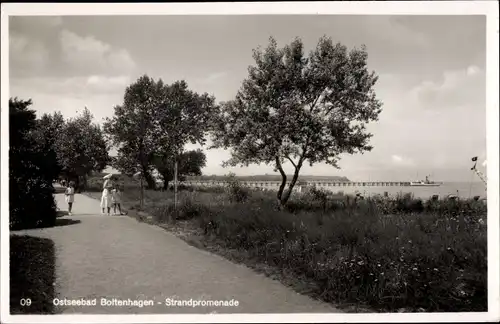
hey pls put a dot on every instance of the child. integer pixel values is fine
(116, 199)
(70, 196)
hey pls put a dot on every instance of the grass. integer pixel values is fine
(32, 275)
(386, 253)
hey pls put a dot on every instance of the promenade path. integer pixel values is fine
(118, 257)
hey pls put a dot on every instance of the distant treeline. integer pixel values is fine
(267, 177)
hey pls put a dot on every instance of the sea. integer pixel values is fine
(463, 190)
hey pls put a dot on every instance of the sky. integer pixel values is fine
(431, 71)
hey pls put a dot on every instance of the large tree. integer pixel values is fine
(190, 163)
(297, 109)
(156, 119)
(81, 148)
(133, 128)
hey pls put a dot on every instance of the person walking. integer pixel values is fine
(106, 194)
(70, 196)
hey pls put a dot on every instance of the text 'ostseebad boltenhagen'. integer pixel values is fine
(169, 302)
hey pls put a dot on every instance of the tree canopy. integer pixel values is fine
(296, 108)
(46, 134)
(157, 120)
(190, 163)
(132, 129)
(81, 148)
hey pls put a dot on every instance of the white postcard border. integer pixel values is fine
(489, 8)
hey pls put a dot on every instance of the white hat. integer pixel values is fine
(108, 176)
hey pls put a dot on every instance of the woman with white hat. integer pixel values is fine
(106, 194)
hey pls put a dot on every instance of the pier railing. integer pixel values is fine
(317, 184)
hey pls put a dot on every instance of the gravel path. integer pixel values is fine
(117, 257)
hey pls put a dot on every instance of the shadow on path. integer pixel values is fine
(66, 221)
(61, 213)
(32, 275)
(61, 222)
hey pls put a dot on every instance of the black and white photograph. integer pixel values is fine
(250, 162)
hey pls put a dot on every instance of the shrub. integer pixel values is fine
(406, 203)
(31, 200)
(190, 205)
(320, 194)
(181, 187)
(315, 200)
(212, 189)
(32, 204)
(237, 193)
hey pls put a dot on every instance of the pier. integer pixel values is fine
(300, 184)
(358, 184)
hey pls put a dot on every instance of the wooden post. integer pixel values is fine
(142, 192)
(175, 188)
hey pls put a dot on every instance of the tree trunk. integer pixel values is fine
(175, 188)
(142, 192)
(76, 179)
(151, 183)
(283, 180)
(84, 182)
(288, 193)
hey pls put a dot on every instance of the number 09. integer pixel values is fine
(25, 302)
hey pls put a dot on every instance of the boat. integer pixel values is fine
(425, 183)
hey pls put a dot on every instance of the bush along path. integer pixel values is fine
(118, 258)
